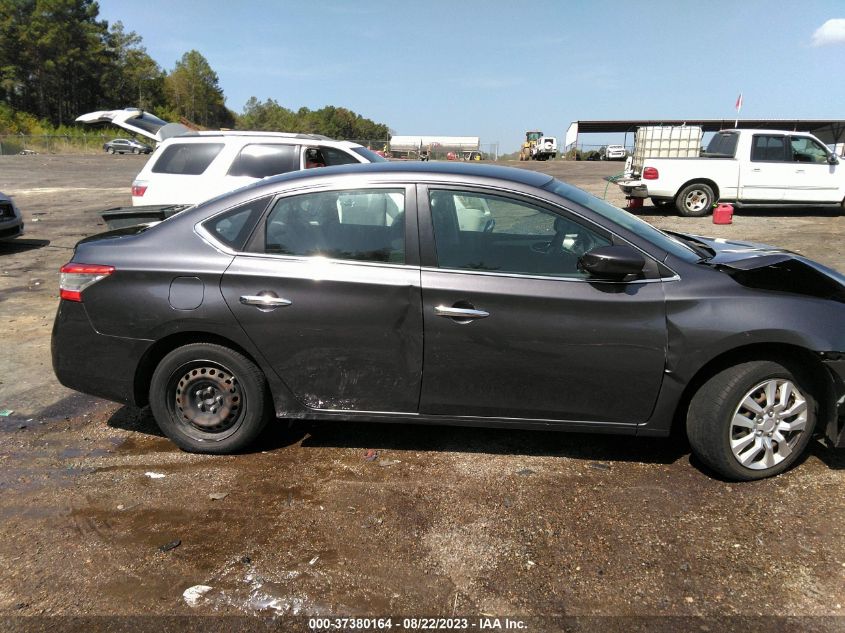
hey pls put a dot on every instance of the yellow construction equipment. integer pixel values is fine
(528, 147)
(538, 147)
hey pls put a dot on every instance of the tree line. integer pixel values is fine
(59, 60)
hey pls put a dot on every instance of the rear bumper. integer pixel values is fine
(93, 363)
(633, 187)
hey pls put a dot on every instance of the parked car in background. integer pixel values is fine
(444, 293)
(126, 146)
(11, 221)
(615, 152)
(189, 166)
(750, 167)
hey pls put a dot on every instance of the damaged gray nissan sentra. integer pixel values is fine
(454, 294)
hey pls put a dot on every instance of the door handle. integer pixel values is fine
(265, 300)
(800, 171)
(756, 169)
(461, 314)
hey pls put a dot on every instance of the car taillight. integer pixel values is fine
(74, 278)
(139, 189)
(650, 173)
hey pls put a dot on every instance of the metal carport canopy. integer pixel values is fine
(828, 131)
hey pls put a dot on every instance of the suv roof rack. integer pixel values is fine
(299, 135)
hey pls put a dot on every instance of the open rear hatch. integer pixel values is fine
(139, 122)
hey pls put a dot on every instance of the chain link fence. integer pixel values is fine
(584, 151)
(77, 144)
(11, 144)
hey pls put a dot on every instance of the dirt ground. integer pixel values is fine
(473, 523)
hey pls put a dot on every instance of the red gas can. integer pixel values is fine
(723, 213)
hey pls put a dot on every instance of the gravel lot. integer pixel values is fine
(470, 522)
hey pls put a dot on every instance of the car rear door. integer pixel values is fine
(330, 293)
(514, 330)
(768, 173)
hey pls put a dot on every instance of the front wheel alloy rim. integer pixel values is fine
(696, 200)
(207, 400)
(768, 423)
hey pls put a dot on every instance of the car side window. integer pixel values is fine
(187, 159)
(475, 231)
(233, 227)
(326, 157)
(769, 149)
(806, 150)
(361, 225)
(258, 160)
(334, 156)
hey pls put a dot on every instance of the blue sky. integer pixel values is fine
(494, 68)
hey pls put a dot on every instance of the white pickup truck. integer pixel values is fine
(748, 167)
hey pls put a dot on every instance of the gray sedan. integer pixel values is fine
(440, 293)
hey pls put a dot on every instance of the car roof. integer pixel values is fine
(765, 131)
(196, 137)
(418, 170)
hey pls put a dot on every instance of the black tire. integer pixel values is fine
(227, 404)
(720, 442)
(695, 200)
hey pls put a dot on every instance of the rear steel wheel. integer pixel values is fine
(208, 398)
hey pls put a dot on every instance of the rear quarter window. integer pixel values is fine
(722, 145)
(262, 160)
(233, 227)
(187, 159)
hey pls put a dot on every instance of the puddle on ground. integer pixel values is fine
(143, 445)
(244, 587)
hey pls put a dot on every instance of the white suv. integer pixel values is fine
(188, 166)
(615, 152)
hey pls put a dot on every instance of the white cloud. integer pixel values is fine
(831, 32)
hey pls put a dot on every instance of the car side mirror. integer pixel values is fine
(613, 263)
(832, 159)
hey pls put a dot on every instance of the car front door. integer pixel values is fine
(816, 178)
(766, 177)
(514, 330)
(330, 294)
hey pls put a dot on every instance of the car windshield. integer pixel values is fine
(369, 154)
(668, 243)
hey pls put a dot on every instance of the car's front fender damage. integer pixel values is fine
(787, 273)
(834, 363)
(784, 272)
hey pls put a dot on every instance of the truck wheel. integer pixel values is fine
(695, 200)
(752, 420)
